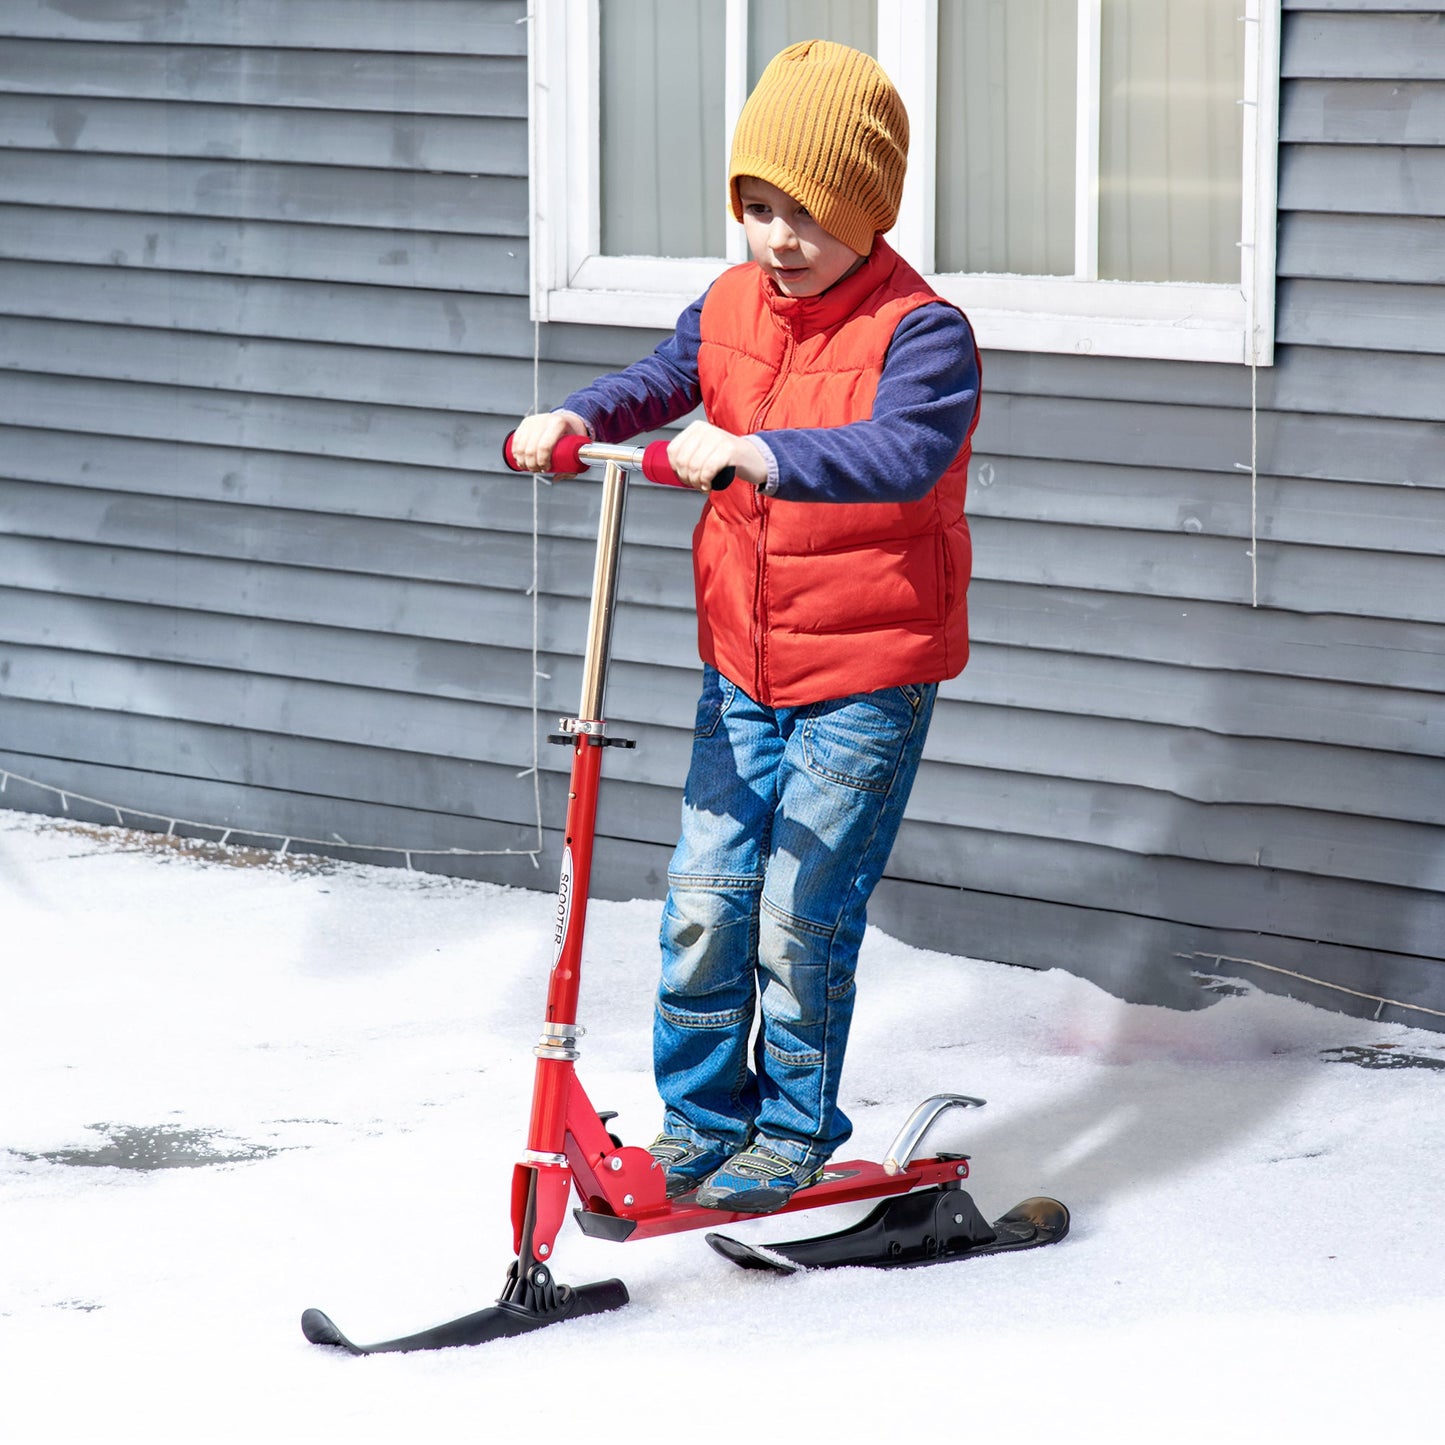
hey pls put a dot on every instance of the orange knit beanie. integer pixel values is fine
(826, 125)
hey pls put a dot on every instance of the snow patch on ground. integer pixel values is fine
(235, 1088)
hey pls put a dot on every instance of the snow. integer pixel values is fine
(342, 1054)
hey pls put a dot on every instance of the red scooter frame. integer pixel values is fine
(621, 1188)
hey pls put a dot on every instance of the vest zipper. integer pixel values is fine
(760, 627)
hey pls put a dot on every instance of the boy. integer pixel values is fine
(830, 584)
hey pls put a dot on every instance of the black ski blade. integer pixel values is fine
(497, 1322)
(752, 1256)
(929, 1226)
(320, 1329)
(1030, 1224)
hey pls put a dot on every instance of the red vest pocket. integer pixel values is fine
(901, 583)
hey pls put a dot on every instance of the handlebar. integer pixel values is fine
(574, 454)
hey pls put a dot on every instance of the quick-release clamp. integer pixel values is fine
(559, 1041)
(594, 730)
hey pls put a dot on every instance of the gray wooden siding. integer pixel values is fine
(262, 318)
(1194, 775)
(1167, 771)
(263, 326)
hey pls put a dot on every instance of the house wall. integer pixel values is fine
(263, 326)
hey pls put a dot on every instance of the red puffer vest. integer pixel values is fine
(802, 601)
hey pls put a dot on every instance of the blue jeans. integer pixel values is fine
(788, 818)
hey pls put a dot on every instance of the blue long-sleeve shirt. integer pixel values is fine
(922, 410)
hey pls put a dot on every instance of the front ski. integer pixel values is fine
(498, 1322)
(929, 1226)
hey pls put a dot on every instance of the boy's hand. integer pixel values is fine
(535, 437)
(700, 452)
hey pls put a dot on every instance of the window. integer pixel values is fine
(1093, 176)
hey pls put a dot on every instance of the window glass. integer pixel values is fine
(773, 24)
(1170, 138)
(663, 189)
(1006, 82)
(1082, 169)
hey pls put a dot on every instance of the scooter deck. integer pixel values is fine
(841, 1183)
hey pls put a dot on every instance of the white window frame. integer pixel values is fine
(573, 281)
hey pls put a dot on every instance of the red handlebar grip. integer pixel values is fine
(565, 459)
(657, 468)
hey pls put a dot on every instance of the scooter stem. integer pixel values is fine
(604, 594)
(557, 1049)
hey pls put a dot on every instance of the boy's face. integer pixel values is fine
(790, 246)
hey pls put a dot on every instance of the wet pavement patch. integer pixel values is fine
(1386, 1056)
(157, 1146)
(1222, 986)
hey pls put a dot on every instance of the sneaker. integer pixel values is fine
(757, 1181)
(686, 1163)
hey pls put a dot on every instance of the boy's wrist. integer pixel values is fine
(768, 482)
(578, 419)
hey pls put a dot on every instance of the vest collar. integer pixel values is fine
(840, 301)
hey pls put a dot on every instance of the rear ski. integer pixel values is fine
(929, 1226)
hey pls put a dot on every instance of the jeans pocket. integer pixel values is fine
(717, 693)
(859, 741)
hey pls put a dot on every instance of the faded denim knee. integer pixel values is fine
(705, 1005)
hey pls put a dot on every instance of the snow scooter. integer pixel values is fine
(925, 1217)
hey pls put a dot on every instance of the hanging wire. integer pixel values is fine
(1252, 466)
(1251, 296)
(124, 814)
(1379, 1000)
(535, 589)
